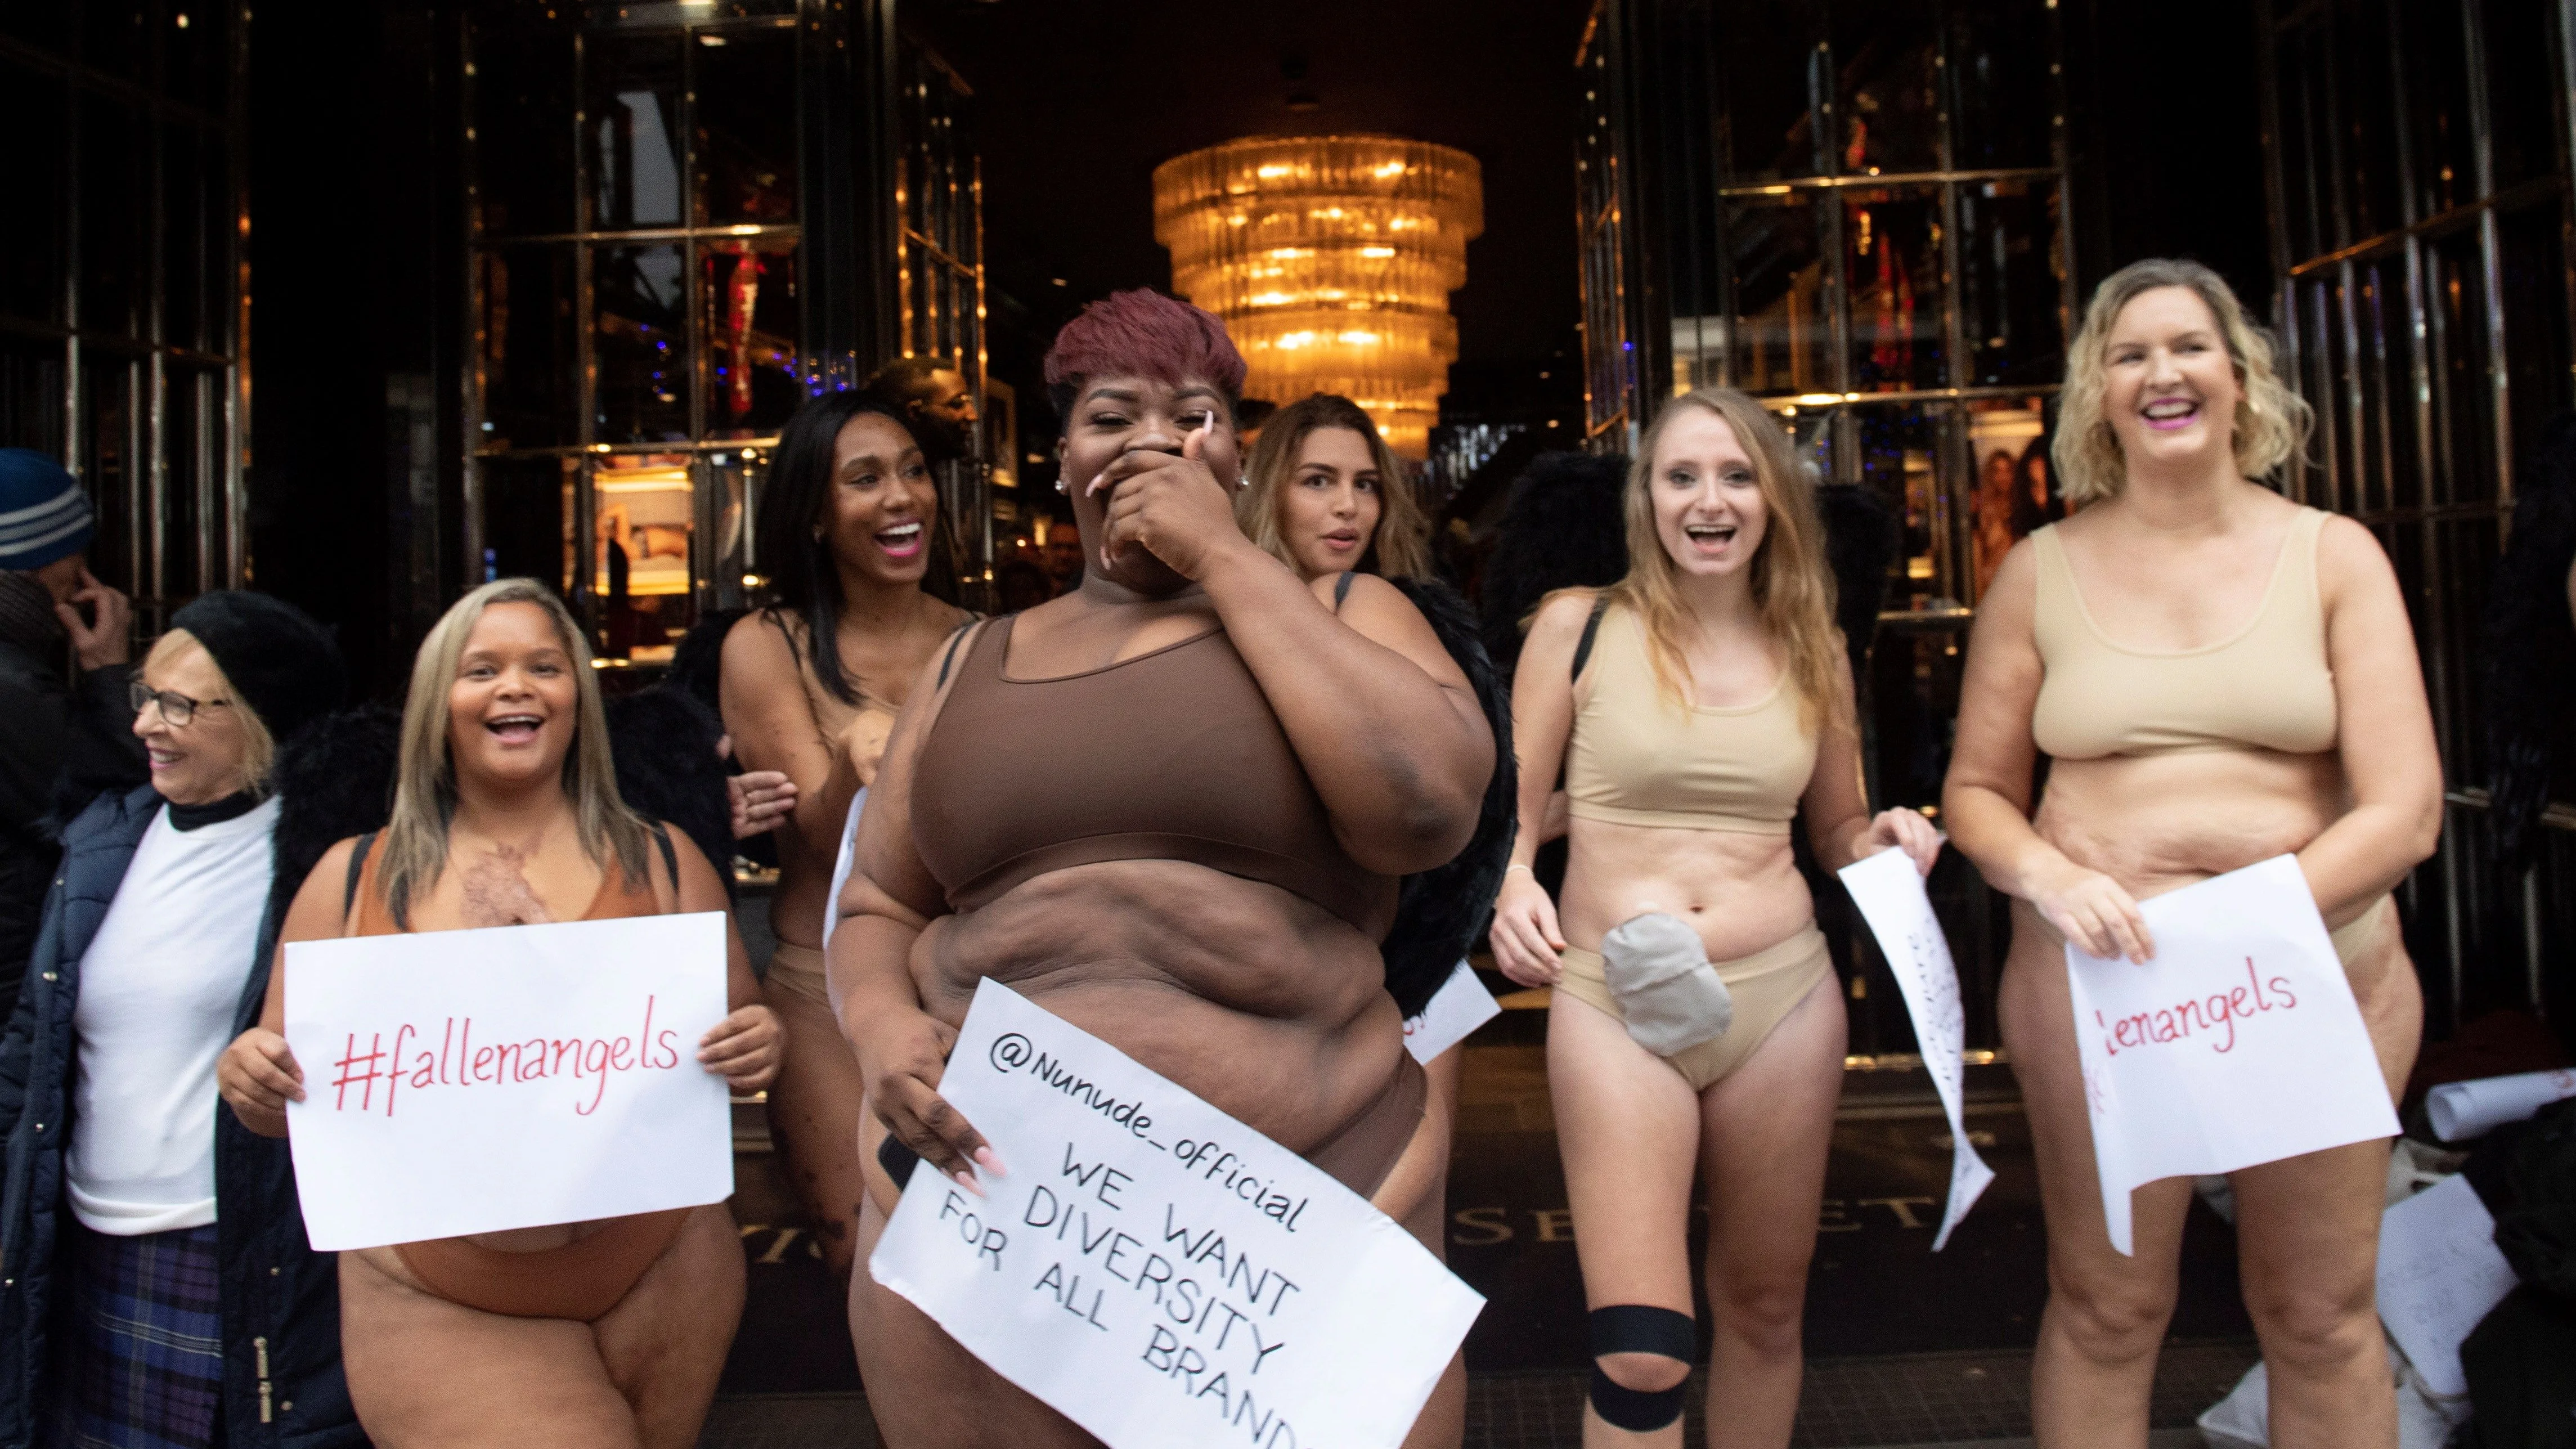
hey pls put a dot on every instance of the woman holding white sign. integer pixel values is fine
(1699, 706)
(2217, 676)
(1236, 775)
(848, 535)
(506, 812)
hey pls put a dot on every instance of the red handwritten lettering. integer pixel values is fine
(2213, 1018)
(536, 1059)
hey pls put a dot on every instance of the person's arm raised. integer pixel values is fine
(2384, 730)
(772, 726)
(1385, 723)
(257, 1075)
(1986, 799)
(889, 900)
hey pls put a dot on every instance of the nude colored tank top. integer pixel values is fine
(1171, 755)
(2266, 687)
(1637, 758)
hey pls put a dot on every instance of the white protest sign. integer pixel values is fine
(1461, 1005)
(2472, 1109)
(1156, 1271)
(473, 1081)
(841, 865)
(2238, 1044)
(2439, 1273)
(1889, 891)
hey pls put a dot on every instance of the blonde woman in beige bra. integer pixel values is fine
(847, 536)
(1700, 706)
(2218, 676)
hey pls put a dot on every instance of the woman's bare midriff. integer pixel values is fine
(2156, 823)
(1269, 1007)
(1741, 890)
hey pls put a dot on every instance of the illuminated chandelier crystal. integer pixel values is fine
(1331, 259)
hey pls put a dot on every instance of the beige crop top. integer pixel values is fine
(1637, 758)
(2266, 687)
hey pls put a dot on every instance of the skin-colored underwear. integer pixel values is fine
(2348, 939)
(1766, 985)
(799, 969)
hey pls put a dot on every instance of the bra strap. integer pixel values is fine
(1583, 646)
(357, 868)
(1342, 589)
(954, 640)
(670, 857)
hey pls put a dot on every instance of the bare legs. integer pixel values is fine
(1632, 1131)
(430, 1373)
(814, 1112)
(2307, 1232)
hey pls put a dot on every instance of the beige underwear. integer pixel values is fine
(800, 969)
(1766, 986)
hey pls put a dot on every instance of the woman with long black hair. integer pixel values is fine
(849, 536)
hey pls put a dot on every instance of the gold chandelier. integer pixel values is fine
(1331, 259)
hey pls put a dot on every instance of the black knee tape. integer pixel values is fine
(1636, 1328)
(1634, 1410)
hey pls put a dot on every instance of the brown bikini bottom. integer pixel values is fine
(581, 1280)
(1358, 1157)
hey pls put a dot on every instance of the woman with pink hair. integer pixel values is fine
(1238, 771)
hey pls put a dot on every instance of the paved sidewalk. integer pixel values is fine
(1911, 1401)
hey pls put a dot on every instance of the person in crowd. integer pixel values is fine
(931, 399)
(1562, 528)
(2217, 676)
(810, 686)
(1063, 555)
(1213, 912)
(1699, 706)
(1329, 499)
(159, 1290)
(506, 813)
(54, 724)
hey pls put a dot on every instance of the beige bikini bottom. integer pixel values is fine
(1766, 987)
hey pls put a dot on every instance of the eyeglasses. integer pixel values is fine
(177, 708)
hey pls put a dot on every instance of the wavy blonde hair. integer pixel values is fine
(1400, 548)
(2272, 422)
(259, 747)
(415, 840)
(1792, 585)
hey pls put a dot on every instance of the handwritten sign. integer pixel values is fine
(2439, 1274)
(1156, 1271)
(1889, 891)
(841, 865)
(2461, 1110)
(473, 1081)
(2240, 1043)
(1461, 1005)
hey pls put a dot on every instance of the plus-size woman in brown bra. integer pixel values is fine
(847, 533)
(506, 813)
(1169, 807)
(2218, 676)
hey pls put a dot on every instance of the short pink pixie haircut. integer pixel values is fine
(1142, 334)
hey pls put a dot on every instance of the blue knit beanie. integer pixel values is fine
(44, 515)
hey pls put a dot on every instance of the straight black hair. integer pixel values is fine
(801, 577)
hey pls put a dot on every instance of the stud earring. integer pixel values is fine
(1060, 486)
(1243, 482)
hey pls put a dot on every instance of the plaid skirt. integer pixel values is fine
(139, 1359)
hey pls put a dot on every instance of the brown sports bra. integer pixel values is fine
(1172, 755)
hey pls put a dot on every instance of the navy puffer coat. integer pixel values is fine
(283, 1387)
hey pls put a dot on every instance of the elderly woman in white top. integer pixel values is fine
(159, 1290)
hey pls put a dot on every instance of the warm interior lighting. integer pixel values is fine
(1331, 259)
